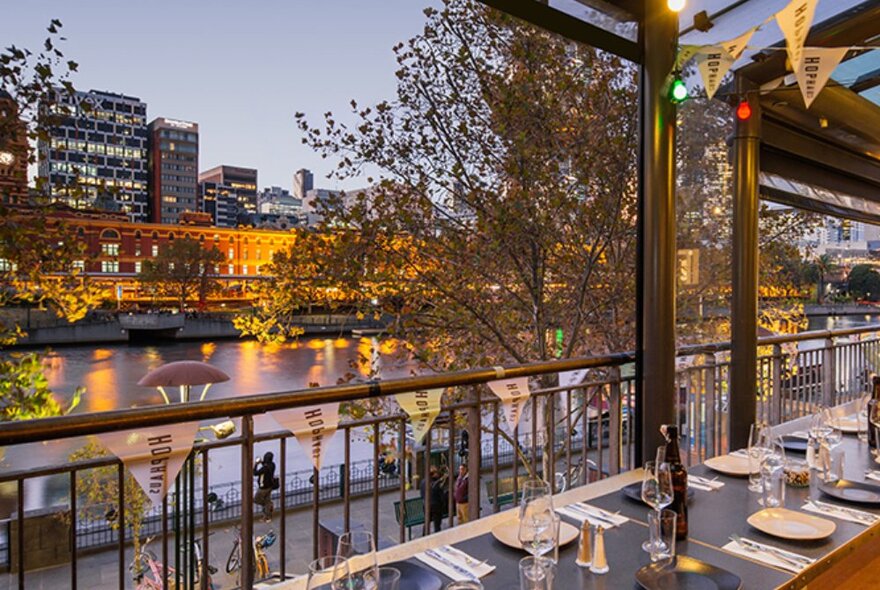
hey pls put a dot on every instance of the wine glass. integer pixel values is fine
(833, 434)
(773, 475)
(359, 548)
(328, 572)
(533, 489)
(758, 434)
(862, 423)
(656, 493)
(537, 525)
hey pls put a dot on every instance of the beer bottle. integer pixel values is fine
(679, 481)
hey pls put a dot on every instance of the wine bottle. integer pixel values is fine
(872, 403)
(679, 481)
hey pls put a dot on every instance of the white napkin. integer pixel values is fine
(581, 512)
(704, 484)
(459, 558)
(764, 557)
(875, 475)
(841, 513)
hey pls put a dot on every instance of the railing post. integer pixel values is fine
(710, 399)
(615, 423)
(829, 373)
(776, 401)
(247, 502)
(475, 454)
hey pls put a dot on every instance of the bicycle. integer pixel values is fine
(145, 562)
(260, 564)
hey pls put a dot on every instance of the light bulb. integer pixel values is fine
(675, 5)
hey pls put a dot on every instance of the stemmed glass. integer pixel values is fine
(657, 493)
(359, 548)
(537, 523)
(328, 572)
(773, 475)
(833, 434)
(533, 489)
(757, 447)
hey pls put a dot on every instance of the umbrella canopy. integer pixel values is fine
(183, 373)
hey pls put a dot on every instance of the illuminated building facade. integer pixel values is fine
(242, 182)
(174, 169)
(96, 157)
(13, 152)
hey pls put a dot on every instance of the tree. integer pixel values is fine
(863, 282)
(183, 269)
(817, 271)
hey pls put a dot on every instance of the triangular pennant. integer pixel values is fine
(422, 408)
(313, 427)
(513, 393)
(567, 378)
(817, 65)
(685, 53)
(795, 21)
(153, 455)
(713, 63)
(735, 47)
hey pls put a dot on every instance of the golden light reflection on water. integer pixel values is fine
(248, 365)
(102, 387)
(315, 343)
(341, 343)
(207, 349)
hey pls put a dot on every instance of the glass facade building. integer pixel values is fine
(174, 169)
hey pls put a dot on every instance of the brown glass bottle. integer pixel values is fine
(679, 481)
(875, 399)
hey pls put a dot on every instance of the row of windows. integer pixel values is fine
(170, 146)
(112, 266)
(178, 178)
(178, 167)
(178, 135)
(97, 148)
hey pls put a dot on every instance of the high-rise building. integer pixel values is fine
(174, 169)
(13, 152)
(241, 181)
(96, 156)
(278, 201)
(221, 202)
(303, 182)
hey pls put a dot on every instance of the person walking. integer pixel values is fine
(264, 471)
(460, 494)
(438, 497)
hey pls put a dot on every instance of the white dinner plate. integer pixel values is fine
(508, 533)
(849, 424)
(790, 524)
(729, 464)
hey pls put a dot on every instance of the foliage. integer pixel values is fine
(25, 392)
(864, 282)
(183, 269)
(100, 488)
(818, 271)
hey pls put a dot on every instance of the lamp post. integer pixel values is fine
(184, 375)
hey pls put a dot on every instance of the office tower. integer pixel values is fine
(303, 182)
(173, 165)
(13, 152)
(221, 202)
(96, 156)
(278, 201)
(241, 181)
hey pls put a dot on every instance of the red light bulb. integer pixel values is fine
(743, 111)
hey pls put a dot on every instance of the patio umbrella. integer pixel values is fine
(183, 374)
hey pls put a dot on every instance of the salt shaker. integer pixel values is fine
(585, 549)
(599, 563)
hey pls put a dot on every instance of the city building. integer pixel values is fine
(241, 181)
(303, 182)
(278, 201)
(13, 152)
(844, 239)
(173, 165)
(318, 200)
(220, 201)
(96, 156)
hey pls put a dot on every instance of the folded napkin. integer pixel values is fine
(454, 563)
(705, 484)
(875, 475)
(759, 552)
(580, 512)
(841, 512)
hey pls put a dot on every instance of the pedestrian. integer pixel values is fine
(460, 494)
(438, 497)
(264, 471)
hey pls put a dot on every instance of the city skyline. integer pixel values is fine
(334, 52)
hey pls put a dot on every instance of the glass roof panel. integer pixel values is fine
(601, 15)
(873, 95)
(848, 72)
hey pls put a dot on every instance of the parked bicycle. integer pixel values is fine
(146, 570)
(260, 563)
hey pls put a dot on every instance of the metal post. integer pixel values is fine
(829, 372)
(776, 401)
(657, 403)
(475, 453)
(247, 502)
(711, 402)
(615, 422)
(744, 301)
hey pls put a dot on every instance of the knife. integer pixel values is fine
(459, 569)
(752, 549)
(590, 508)
(862, 516)
(774, 550)
(577, 508)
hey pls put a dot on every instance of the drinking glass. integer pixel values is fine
(758, 434)
(874, 422)
(536, 573)
(773, 475)
(663, 522)
(833, 434)
(464, 585)
(656, 493)
(537, 528)
(360, 550)
(328, 572)
(533, 489)
(389, 578)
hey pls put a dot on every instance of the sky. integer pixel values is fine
(240, 69)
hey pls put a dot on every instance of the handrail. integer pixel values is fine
(13, 433)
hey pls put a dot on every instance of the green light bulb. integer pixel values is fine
(678, 92)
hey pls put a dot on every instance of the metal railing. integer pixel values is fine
(570, 435)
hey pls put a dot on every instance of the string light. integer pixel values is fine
(678, 92)
(743, 111)
(675, 5)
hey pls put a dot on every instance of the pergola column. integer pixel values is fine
(744, 302)
(657, 404)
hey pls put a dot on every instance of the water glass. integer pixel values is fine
(758, 434)
(389, 579)
(536, 573)
(328, 572)
(656, 491)
(773, 476)
(662, 527)
(874, 422)
(464, 585)
(862, 423)
(360, 550)
(832, 463)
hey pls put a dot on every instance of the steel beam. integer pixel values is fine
(657, 399)
(744, 301)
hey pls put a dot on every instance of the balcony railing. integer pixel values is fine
(592, 436)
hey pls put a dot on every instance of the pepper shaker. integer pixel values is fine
(585, 549)
(600, 560)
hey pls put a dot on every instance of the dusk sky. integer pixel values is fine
(239, 69)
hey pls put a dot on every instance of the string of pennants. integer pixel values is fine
(154, 456)
(812, 66)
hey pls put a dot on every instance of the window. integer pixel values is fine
(110, 234)
(231, 253)
(5, 265)
(245, 254)
(231, 269)
(155, 250)
(109, 266)
(110, 249)
(171, 266)
(137, 250)
(79, 265)
(259, 254)
(244, 269)
(137, 266)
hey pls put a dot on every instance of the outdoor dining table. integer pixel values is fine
(713, 516)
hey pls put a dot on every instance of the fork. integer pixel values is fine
(797, 564)
(462, 555)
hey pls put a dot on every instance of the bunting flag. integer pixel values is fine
(513, 393)
(713, 63)
(685, 53)
(154, 455)
(422, 407)
(735, 47)
(816, 67)
(313, 427)
(795, 21)
(568, 378)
